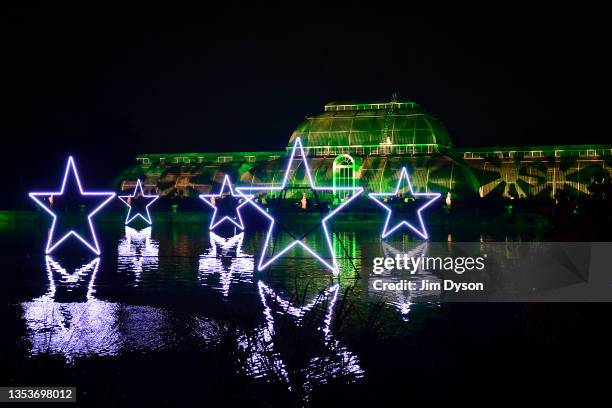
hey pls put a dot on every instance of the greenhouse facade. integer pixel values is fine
(367, 144)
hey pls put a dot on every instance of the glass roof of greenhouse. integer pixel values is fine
(372, 123)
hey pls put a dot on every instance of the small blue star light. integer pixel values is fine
(45, 200)
(419, 229)
(236, 219)
(140, 195)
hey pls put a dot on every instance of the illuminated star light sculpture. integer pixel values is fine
(420, 230)
(151, 198)
(52, 243)
(237, 219)
(263, 263)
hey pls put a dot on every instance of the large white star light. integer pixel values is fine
(140, 195)
(264, 260)
(45, 200)
(236, 219)
(420, 229)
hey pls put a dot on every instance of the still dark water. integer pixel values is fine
(174, 313)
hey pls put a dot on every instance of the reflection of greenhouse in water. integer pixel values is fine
(366, 144)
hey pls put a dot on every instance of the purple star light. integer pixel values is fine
(150, 198)
(45, 200)
(420, 229)
(236, 219)
(333, 266)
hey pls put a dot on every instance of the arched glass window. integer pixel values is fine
(344, 175)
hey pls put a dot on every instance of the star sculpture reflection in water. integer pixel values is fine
(63, 283)
(226, 260)
(235, 217)
(135, 204)
(429, 199)
(72, 185)
(266, 260)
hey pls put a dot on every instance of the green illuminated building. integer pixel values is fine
(366, 144)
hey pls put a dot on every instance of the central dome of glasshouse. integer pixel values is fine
(372, 124)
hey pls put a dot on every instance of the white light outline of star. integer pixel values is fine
(423, 232)
(205, 198)
(34, 196)
(138, 214)
(358, 190)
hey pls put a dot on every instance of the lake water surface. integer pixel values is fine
(173, 312)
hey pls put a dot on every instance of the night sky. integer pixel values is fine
(107, 83)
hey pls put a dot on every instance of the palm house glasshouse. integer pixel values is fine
(367, 144)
